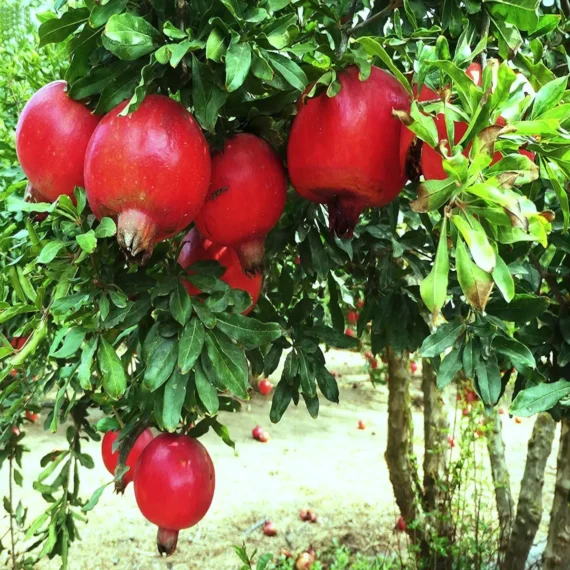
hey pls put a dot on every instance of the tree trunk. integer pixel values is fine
(501, 480)
(557, 552)
(435, 430)
(529, 509)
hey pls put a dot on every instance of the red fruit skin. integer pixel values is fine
(196, 248)
(18, 342)
(174, 482)
(361, 424)
(475, 72)
(149, 170)
(401, 524)
(263, 437)
(246, 198)
(352, 317)
(349, 332)
(111, 459)
(359, 304)
(32, 416)
(518, 420)
(502, 411)
(265, 387)
(374, 364)
(256, 432)
(470, 396)
(413, 367)
(52, 135)
(451, 441)
(343, 151)
(269, 529)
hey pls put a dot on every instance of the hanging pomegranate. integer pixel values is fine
(149, 170)
(51, 139)
(343, 151)
(174, 486)
(197, 248)
(246, 198)
(110, 458)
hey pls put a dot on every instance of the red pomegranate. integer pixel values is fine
(265, 387)
(149, 170)
(352, 317)
(196, 248)
(110, 458)
(32, 416)
(256, 432)
(51, 139)
(246, 198)
(18, 342)
(401, 524)
(174, 485)
(343, 151)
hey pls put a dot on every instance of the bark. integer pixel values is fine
(435, 430)
(399, 451)
(501, 479)
(529, 509)
(557, 552)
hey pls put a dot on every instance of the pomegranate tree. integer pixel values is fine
(174, 486)
(343, 151)
(51, 139)
(246, 198)
(111, 458)
(196, 248)
(149, 170)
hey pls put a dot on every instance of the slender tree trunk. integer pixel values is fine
(435, 429)
(529, 509)
(557, 552)
(501, 479)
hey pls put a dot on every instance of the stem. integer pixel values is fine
(390, 8)
(550, 280)
(485, 22)
(11, 499)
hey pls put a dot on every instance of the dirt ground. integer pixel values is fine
(326, 464)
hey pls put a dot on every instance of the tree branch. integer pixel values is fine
(384, 12)
(550, 280)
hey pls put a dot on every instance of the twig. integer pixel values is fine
(485, 23)
(550, 280)
(390, 8)
(11, 498)
(259, 523)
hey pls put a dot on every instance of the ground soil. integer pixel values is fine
(326, 464)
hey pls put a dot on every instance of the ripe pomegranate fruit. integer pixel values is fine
(413, 367)
(15, 430)
(174, 485)
(246, 198)
(197, 248)
(52, 135)
(256, 432)
(18, 342)
(305, 560)
(110, 458)
(263, 437)
(374, 364)
(401, 524)
(475, 72)
(265, 387)
(352, 317)
(32, 416)
(368, 355)
(343, 151)
(470, 396)
(359, 304)
(361, 424)
(269, 529)
(149, 170)
(349, 332)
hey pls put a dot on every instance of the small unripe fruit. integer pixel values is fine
(265, 387)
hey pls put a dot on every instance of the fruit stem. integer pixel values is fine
(251, 256)
(135, 233)
(343, 216)
(166, 541)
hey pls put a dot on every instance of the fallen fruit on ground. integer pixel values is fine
(51, 140)
(343, 151)
(197, 248)
(361, 424)
(174, 486)
(110, 458)
(256, 432)
(246, 198)
(151, 193)
(269, 529)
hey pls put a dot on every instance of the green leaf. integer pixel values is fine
(112, 372)
(290, 71)
(92, 503)
(248, 330)
(549, 96)
(172, 32)
(503, 279)
(215, 47)
(327, 385)
(281, 400)
(190, 345)
(229, 362)
(173, 400)
(332, 337)
(87, 241)
(476, 238)
(208, 99)
(238, 63)
(475, 283)
(180, 304)
(57, 29)
(539, 398)
(106, 228)
(519, 355)
(120, 87)
(448, 368)
(433, 194)
(372, 47)
(72, 341)
(433, 288)
(488, 379)
(160, 363)
(206, 392)
(442, 339)
(519, 13)
(50, 251)
(101, 13)
(130, 37)
(84, 371)
(522, 309)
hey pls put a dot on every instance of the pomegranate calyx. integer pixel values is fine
(251, 256)
(166, 541)
(343, 216)
(136, 233)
